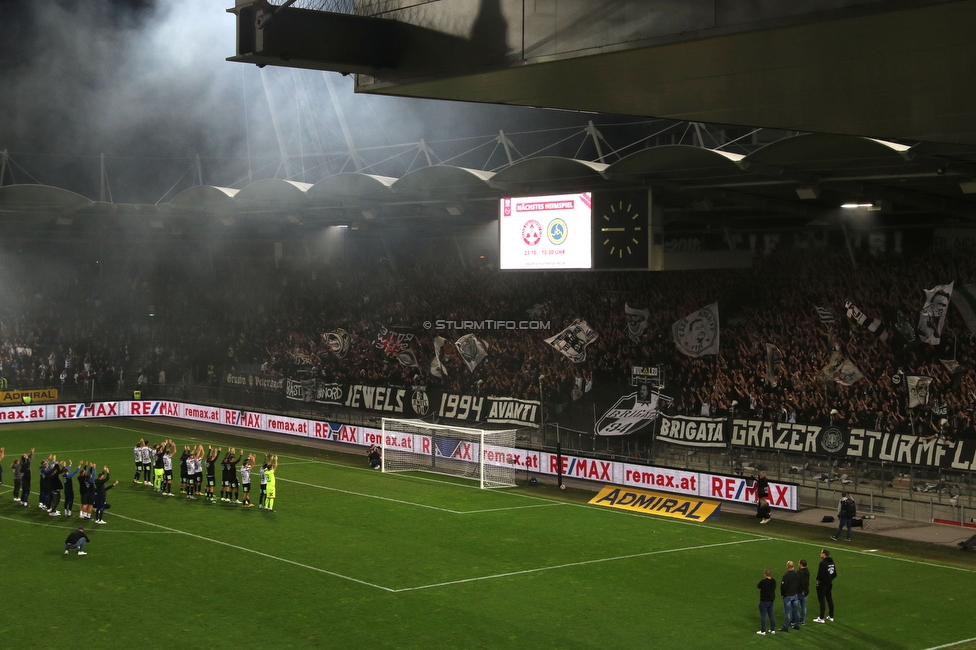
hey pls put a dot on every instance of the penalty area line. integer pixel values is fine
(582, 563)
(950, 645)
(262, 554)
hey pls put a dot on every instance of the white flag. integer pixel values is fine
(573, 340)
(841, 370)
(472, 350)
(964, 298)
(637, 321)
(437, 366)
(697, 334)
(918, 390)
(932, 317)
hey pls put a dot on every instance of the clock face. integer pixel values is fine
(620, 230)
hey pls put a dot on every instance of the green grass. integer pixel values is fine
(356, 558)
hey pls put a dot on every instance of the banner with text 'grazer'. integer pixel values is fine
(854, 444)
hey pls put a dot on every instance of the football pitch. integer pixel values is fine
(355, 558)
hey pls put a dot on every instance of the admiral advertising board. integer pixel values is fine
(545, 232)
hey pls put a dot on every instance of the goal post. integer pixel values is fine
(483, 455)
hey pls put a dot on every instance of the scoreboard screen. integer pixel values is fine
(546, 232)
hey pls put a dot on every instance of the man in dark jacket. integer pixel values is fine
(788, 588)
(25, 476)
(767, 594)
(76, 539)
(846, 509)
(804, 573)
(825, 582)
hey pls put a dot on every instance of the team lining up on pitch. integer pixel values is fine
(158, 459)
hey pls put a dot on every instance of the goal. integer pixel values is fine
(480, 454)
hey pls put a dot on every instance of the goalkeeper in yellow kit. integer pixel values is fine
(270, 476)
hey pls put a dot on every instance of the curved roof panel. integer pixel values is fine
(204, 196)
(352, 184)
(445, 178)
(40, 197)
(551, 172)
(817, 151)
(273, 190)
(677, 161)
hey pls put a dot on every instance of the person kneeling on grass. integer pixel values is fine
(763, 511)
(375, 459)
(76, 539)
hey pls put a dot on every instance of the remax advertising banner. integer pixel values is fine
(661, 479)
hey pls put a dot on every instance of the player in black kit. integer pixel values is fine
(212, 455)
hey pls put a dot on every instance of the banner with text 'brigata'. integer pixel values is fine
(692, 431)
(854, 444)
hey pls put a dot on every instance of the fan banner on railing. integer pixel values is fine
(692, 431)
(631, 413)
(697, 334)
(932, 317)
(419, 402)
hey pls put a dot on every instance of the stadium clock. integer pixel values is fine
(620, 230)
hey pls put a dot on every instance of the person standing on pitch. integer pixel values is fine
(101, 492)
(825, 584)
(18, 478)
(767, 594)
(264, 483)
(803, 591)
(54, 487)
(25, 476)
(212, 455)
(76, 539)
(846, 509)
(246, 480)
(788, 588)
(137, 451)
(158, 453)
(69, 489)
(270, 475)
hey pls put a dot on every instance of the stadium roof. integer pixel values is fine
(782, 184)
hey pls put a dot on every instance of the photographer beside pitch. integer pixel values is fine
(846, 509)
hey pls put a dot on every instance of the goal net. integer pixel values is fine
(479, 454)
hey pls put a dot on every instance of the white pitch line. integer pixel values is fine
(574, 564)
(72, 526)
(949, 645)
(540, 505)
(267, 555)
(418, 505)
(372, 496)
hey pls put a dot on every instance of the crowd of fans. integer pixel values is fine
(82, 329)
